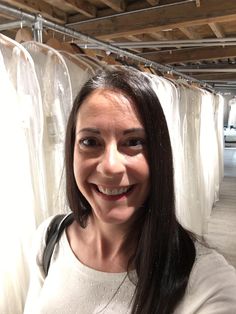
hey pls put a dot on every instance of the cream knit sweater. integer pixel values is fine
(73, 288)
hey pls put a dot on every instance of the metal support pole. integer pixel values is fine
(38, 29)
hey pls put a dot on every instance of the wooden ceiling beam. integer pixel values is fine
(133, 38)
(189, 33)
(108, 11)
(45, 9)
(192, 54)
(83, 7)
(153, 2)
(116, 5)
(157, 36)
(161, 18)
(217, 30)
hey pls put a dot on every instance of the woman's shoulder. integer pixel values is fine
(212, 285)
(43, 227)
(210, 266)
(39, 238)
(204, 252)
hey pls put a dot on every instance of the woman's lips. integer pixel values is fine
(113, 194)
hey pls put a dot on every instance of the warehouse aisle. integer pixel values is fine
(222, 225)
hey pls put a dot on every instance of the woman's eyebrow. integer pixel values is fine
(97, 131)
(132, 130)
(93, 130)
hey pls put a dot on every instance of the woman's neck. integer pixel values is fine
(101, 246)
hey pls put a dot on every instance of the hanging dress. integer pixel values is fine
(55, 85)
(22, 193)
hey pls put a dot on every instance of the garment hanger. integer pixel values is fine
(54, 43)
(23, 34)
(110, 60)
(171, 78)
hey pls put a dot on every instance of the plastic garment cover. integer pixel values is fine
(209, 152)
(168, 96)
(55, 85)
(190, 100)
(22, 199)
(232, 113)
(194, 118)
(219, 126)
(181, 110)
(79, 71)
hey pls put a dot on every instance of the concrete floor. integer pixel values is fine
(222, 224)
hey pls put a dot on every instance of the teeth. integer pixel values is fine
(113, 191)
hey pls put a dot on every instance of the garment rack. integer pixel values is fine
(38, 23)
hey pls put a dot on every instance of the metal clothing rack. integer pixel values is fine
(38, 23)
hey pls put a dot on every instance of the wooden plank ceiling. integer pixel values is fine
(197, 37)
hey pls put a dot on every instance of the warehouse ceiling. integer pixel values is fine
(195, 37)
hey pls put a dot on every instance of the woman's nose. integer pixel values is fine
(111, 161)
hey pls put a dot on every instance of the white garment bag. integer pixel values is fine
(22, 194)
(79, 71)
(169, 97)
(194, 117)
(55, 85)
(232, 113)
(209, 152)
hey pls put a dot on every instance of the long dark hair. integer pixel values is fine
(165, 251)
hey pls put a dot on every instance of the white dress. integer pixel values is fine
(22, 199)
(195, 123)
(55, 86)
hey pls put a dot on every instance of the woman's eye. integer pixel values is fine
(135, 143)
(89, 142)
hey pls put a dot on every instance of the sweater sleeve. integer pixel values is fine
(211, 288)
(37, 275)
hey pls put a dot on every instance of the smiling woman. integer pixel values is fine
(125, 251)
(110, 164)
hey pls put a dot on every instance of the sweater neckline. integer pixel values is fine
(86, 270)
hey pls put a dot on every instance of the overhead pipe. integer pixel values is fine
(156, 44)
(13, 25)
(210, 70)
(222, 86)
(129, 12)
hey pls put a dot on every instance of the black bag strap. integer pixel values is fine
(54, 231)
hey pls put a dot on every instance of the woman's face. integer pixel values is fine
(110, 157)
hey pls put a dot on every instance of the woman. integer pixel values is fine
(125, 252)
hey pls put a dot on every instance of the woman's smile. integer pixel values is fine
(114, 194)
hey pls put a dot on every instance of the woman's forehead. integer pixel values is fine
(110, 100)
(109, 107)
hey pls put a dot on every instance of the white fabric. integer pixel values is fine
(22, 193)
(209, 152)
(72, 287)
(195, 122)
(55, 84)
(79, 71)
(33, 119)
(230, 135)
(232, 113)
(219, 122)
